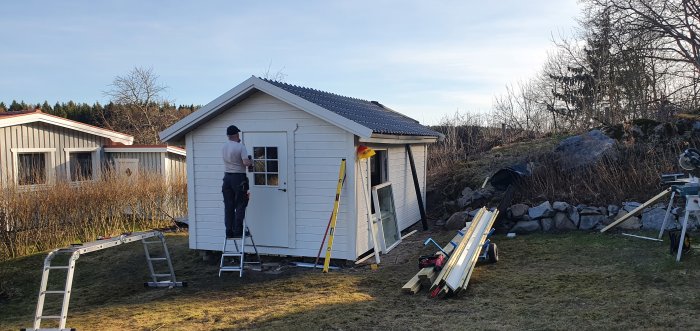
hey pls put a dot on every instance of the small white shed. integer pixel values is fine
(297, 137)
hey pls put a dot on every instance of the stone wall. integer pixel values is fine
(561, 216)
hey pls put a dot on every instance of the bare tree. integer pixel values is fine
(138, 107)
(675, 22)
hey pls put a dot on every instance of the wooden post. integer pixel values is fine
(419, 196)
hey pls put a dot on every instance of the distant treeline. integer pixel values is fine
(83, 112)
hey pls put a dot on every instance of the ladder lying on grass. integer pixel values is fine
(238, 253)
(165, 279)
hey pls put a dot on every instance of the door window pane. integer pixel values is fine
(80, 166)
(31, 168)
(259, 152)
(266, 166)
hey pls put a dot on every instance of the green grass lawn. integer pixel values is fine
(565, 281)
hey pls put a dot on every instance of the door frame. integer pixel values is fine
(289, 129)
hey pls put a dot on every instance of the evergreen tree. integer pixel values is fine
(3, 107)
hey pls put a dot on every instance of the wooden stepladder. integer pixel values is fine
(159, 279)
(334, 216)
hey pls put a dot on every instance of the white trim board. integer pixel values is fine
(154, 149)
(62, 122)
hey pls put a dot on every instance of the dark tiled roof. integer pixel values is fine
(370, 114)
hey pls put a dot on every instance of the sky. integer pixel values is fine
(426, 59)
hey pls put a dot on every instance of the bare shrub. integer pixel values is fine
(632, 175)
(36, 220)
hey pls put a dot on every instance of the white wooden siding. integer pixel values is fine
(316, 152)
(399, 174)
(41, 135)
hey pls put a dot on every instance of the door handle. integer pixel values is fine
(282, 189)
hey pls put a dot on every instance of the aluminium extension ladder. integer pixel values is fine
(165, 279)
(238, 253)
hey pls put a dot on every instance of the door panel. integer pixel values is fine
(267, 215)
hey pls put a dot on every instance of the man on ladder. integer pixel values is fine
(235, 190)
(235, 186)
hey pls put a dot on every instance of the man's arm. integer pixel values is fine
(245, 157)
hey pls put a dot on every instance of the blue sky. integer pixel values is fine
(426, 59)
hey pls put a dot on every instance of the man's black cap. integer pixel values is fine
(231, 130)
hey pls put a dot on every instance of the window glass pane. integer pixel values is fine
(31, 168)
(259, 152)
(271, 166)
(80, 166)
(259, 166)
(272, 179)
(388, 214)
(272, 153)
(259, 179)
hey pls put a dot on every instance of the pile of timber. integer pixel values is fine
(454, 276)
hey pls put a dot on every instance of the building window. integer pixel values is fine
(265, 166)
(31, 168)
(80, 166)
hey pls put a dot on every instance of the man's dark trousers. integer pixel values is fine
(234, 188)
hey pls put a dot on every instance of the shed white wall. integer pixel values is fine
(41, 135)
(399, 174)
(316, 150)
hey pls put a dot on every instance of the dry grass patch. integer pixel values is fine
(586, 280)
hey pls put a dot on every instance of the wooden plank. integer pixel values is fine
(475, 257)
(412, 286)
(638, 209)
(428, 273)
(439, 281)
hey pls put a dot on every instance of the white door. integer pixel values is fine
(267, 214)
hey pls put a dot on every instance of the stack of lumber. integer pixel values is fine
(454, 276)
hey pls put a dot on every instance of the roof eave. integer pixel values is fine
(378, 138)
(179, 129)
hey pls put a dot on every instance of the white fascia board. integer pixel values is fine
(313, 109)
(127, 149)
(256, 83)
(54, 120)
(201, 113)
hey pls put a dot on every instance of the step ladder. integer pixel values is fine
(239, 253)
(74, 252)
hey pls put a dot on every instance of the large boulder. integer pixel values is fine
(541, 211)
(632, 223)
(630, 206)
(588, 210)
(547, 224)
(518, 210)
(574, 216)
(654, 218)
(560, 206)
(563, 223)
(584, 149)
(589, 222)
(525, 227)
(457, 220)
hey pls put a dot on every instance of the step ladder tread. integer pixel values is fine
(58, 267)
(162, 275)
(54, 292)
(50, 317)
(157, 258)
